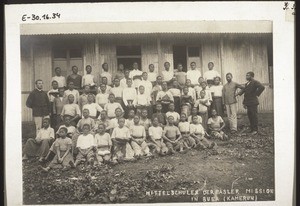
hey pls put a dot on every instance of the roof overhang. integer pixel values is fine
(160, 27)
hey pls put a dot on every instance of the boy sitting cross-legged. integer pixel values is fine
(138, 143)
(86, 147)
(104, 144)
(172, 137)
(155, 134)
(63, 158)
(197, 132)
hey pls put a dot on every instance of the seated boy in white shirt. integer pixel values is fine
(142, 100)
(86, 147)
(111, 106)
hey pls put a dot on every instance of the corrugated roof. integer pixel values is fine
(148, 27)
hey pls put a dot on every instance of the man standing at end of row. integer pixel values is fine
(252, 91)
(39, 102)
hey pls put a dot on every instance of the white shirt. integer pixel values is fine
(147, 85)
(129, 93)
(167, 75)
(156, 132)
(152, 76)
(60, 80)
(93, 108)
(142, 99)
(102, 99)
(75, 94)
(88, 79)
(175, 92)
(121, 133)
(193, 75)
(123, 83)
(108, 76)
(45, 133)
(85, 142)
(117, 91)
(211, 74)
(197, 129)
(51, 97)
(216, 90)
(173, 114)
(111, 108)
(161, 95)
(133, 73)
(184, 126)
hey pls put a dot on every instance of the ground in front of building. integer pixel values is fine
(240, 169)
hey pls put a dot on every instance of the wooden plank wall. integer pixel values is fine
(166, 55)
(43, 63)
(243, 55)
(149, 54)
(108, 54)
(26, 85)
(211, 53)
(89, 56)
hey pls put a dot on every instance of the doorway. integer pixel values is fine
(180, 57)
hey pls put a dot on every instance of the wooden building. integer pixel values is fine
(233, 46)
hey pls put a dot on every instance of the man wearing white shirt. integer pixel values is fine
(167, 73)
(129, 94)
(106, 74)
(164, 97)
(72, 91)
(142, 101)
(210, 75)
(193, 74)
(61, 80)
(136, 75)
(117, 90)
(146, 83)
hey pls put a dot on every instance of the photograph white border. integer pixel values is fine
(284, 71)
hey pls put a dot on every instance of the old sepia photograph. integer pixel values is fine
(140, 112)
(161, 111)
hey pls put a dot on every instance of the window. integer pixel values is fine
(67, 56)
(185, 55)
(129, 54)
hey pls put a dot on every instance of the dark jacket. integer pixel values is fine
(251, 92)
(39, 102)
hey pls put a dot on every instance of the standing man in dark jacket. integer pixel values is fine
(38, 101)
(252, 91)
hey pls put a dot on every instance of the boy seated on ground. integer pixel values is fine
(104, 144)
(138, 141)
(216, 125)
(70, 132)
(121, 142)
(197, 132)
(172, 137)
(184, 128)
(86, 147)
(155, 134)
(39, 147)
(63, 157)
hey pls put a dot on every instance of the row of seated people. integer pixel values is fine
(119, 139)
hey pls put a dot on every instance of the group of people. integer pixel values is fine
(101, 119)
